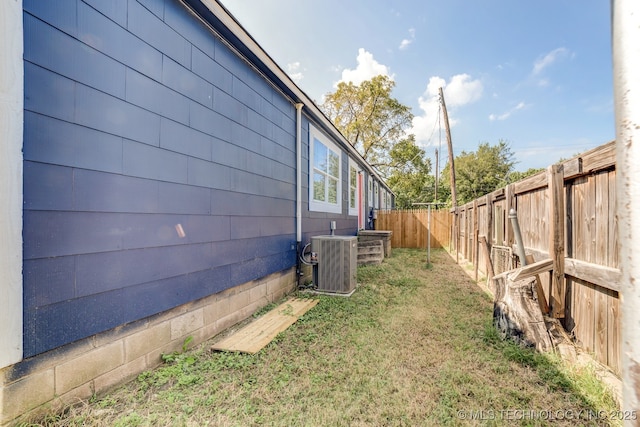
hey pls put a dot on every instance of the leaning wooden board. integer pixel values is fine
(257, 334)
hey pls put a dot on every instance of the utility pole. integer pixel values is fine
(452, 169)
(435, 192)
(452, 174)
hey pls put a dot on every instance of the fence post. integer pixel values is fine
(510, 204)
(555, 179)
(476, 230)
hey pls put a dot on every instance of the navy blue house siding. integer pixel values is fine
(159, 167)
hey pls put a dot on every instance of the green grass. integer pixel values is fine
(412, 346)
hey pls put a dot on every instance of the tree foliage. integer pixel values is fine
(411, 178)
(480, 172)
(370, 118)
(516, 176)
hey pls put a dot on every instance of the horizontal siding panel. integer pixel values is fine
(151, 95)
(51, 234)
(186, 199)
(96, 273)
(260, 267)
(232, 203)
(104, 192)
(114, 40)
(185, 140)
(63, 54)
(48, 93)
(59, 275)
(204, 66)
(148, 231)
(209, 122)
(154, 6)
(230, 107)
(207, 174)
(103, 112)
(145, 161)
(182, 21)
(115, 10)
(230, 61)
(61, 14)
(54, 141)
(155, 32)
(180, 79)
(47, 187)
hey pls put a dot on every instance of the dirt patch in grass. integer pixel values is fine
(412, 346)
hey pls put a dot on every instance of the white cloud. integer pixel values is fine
(404, 44)
(508, 113)
(366, 69)
(548, 59)
(293, 70)
(460, 91)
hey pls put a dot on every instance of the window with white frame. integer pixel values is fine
(370, 191)
(353, 187)
(325, 184)
(376, 195)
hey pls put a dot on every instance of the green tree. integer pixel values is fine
(480, 172)
(410, 177)
(370, 118)
(516, 176)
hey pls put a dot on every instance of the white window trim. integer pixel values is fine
(317, 205)
(370, 192)
(376, 195)
(353, 165)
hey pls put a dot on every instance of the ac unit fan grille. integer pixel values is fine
(337, 263)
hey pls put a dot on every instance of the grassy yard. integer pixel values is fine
(413, 346)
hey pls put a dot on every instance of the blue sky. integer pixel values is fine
(534, 73)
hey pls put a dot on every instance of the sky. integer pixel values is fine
(537, 74)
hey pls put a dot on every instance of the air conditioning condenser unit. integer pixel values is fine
(337, 261)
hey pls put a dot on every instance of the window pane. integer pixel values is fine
(318, 187)
(334, 164)
(319, 156)
(352, 176)
(352, 198)
(333, 191)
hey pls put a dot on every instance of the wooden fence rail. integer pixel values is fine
(567, 214)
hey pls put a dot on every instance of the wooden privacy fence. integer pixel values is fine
(410, 227)
(566, 214)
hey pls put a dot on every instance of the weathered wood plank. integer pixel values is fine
(578, 217)
(531, 269)
(600, 327)
(556, 238)
(599, 158)
(533, 182)
(606, 277)
(613, 248)
(542, 299)
(589, 317)
(601, 218)
(613, 332)
(257, 334)
(572, 168)
(590, 219)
